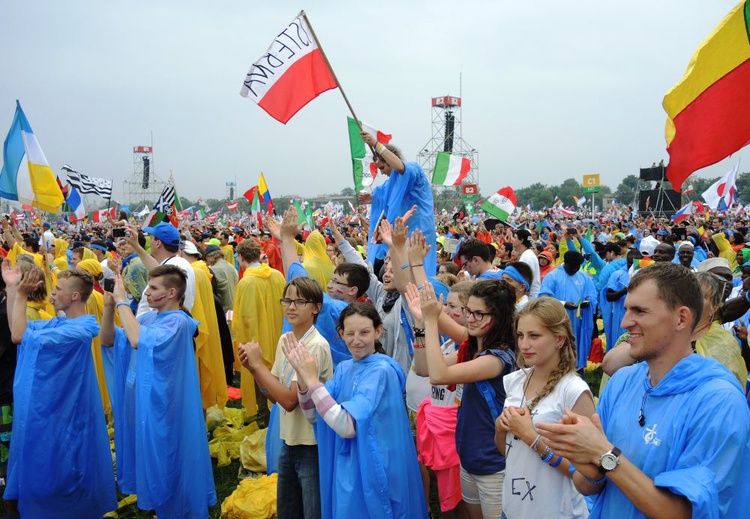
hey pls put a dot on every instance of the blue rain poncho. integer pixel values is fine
(688, 444)
(376, 473)
(399, 193)
(60, 464)
(574, 289)
(169, 456)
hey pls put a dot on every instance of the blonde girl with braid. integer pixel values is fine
(538, 482)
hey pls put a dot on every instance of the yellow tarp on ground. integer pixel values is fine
(232, 439)
(253, 499)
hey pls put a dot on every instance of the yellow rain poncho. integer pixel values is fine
(258, 317)
(61, 260)
(95, 307)
(316, 261)
(89, 254)
(208, 344)
(721, 346)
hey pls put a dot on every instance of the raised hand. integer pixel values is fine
(431, 306)
(273, 226)
(119, 294)
(400, 232)
(288, 228)
(30, 282)
(413, 299)
(418, 247)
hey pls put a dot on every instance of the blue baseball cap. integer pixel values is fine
(164, 232)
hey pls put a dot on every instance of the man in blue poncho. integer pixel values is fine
(672, 433)
(409, 186)
(160, 435)
(60, 463)
(576, 290)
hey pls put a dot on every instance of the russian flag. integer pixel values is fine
(684, 212)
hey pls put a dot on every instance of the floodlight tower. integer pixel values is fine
(447, 137)
(144, 186)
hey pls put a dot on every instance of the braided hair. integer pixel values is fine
(552, 316)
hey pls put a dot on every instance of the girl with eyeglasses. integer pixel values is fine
(477, 370)
(539, 483)
(368, 464)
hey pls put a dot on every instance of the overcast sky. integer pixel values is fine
(551, 90)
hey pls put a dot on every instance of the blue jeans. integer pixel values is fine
(298, 490)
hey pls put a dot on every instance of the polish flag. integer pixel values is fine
(290, 74)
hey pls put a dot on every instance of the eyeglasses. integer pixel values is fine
(298, 303)
(475, 314)
(337, 282)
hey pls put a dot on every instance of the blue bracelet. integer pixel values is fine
(404, 266)
(557, 463)
(571, 470)
(549, 457)
(595, 481)
(122, 303)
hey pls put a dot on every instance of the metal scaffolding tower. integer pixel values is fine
(144, 186)
(447, 137)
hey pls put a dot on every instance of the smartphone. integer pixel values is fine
(118, 232)
(109, 285)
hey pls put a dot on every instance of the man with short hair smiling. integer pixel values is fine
(476, 259)
(681, 419)
(59, 455)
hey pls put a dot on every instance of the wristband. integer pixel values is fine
(556, 463)
(404, 266)
(418, 265)
(594, 481)
(535, 442)
(343, 242)
(547, 455)
(418, 332)
(122, 303)
(571, 470)
(379, 148)
(419, 346)
(263, 391)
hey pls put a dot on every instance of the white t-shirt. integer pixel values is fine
(418, 388)
(189, 289)
(532, 488)
(532, 261)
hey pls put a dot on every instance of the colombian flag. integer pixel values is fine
(708, 111)
(21, 147)
(264, 194)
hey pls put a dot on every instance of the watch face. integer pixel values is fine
(608, 461)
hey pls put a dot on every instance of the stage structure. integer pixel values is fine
(447, 137)
(144, 186)
(659, 201)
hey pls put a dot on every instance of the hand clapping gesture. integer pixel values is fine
(301, 360)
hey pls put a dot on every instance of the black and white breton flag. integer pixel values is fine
(165, 203)
(86, 184)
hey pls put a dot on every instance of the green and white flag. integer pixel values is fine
(450, 169)
(363, 163)
(502, 204)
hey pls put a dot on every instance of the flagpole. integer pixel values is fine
(328, 63)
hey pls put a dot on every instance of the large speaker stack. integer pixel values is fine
(660, 201)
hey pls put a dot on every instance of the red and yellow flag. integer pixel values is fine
(708, 111)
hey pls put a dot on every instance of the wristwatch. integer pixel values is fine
(609, 460)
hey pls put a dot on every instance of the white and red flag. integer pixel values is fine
(290, 74)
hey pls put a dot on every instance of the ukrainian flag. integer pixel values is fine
(21, 147)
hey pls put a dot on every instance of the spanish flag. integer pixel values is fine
(708, 111)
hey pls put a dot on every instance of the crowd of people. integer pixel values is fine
(394, 361)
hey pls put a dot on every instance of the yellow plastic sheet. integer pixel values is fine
(253, 499)
(232, 439)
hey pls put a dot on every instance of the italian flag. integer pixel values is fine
(290, 74)
(363, 163)
(502, 204)
(450, 170)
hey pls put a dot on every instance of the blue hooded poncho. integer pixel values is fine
(162, 448)
(399, 193)
(695, 442)
(60, 464)
(376, 473)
